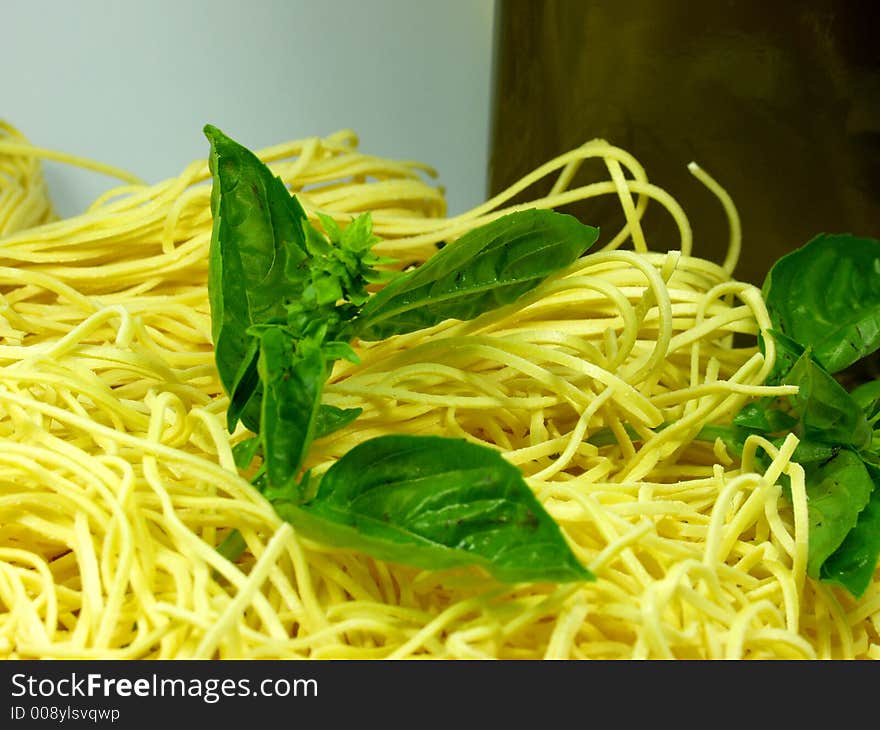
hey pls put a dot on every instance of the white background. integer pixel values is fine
(132, 84)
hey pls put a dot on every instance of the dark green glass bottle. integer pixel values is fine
(779, 101)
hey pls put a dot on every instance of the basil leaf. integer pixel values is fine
(826, 411)
(826, 295)
(853, 564)
(293, 379)
(810, 454)
(867, 397)
(764, 416)
(245, 384)
(257, 236)
(485, 268)
(435, 503)
(733, 436)
(837, 493)
(233, 546)
(246, 451)
(330, 419)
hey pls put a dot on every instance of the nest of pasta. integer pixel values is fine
(118, 480)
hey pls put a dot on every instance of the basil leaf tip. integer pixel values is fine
(824, 304)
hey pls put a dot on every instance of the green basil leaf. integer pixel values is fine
(233, 546)
(787, 353)
(765, 416)
(485, 268)
(853, 564)
(826, 295)
(245, 385)
(257, 236)
(330, 419)
(867, 397)
(837, 492)
(435, 503)
(293, 376)
(811, 454)
(827, 412)
(246, 451)
(733, 436)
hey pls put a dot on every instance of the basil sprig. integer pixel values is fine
(824, 304)
(286, 301)
(486, 268)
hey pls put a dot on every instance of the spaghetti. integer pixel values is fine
(118, 482)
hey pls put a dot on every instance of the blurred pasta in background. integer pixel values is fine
(24, 199)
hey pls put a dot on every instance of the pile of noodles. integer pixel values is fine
(117, 480)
